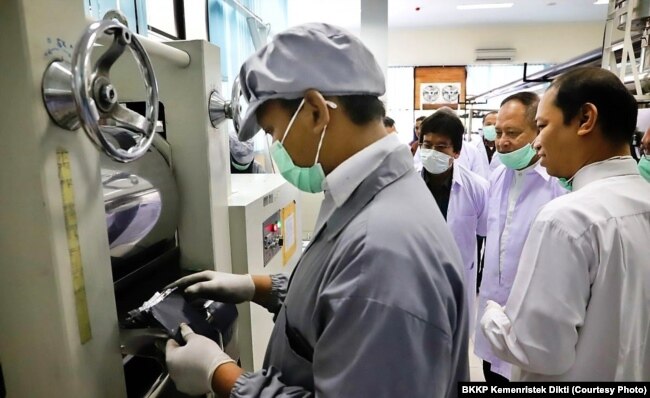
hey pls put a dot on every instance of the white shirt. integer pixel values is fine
(579, 308)
(417, 160)
(513, 196)
(475, 160)
(346, 177)
(495, 162)
(477, 141)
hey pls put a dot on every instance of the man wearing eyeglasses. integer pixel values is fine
(518, 189)
(460, 193)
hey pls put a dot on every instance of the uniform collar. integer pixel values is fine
(612, 167)
(343, 180)
(396, 164)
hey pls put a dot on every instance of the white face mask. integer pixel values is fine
(435, 162)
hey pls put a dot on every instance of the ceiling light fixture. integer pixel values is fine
(483, 6)
(600, 2)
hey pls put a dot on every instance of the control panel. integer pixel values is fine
(272, 236)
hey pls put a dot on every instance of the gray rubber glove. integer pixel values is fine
(217, 286)
(191, 366)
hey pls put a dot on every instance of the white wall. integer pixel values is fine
(535, 43)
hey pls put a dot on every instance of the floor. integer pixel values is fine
(475, 364)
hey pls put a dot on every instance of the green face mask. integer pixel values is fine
(644, 167)
(306, 179)
(518, 159)
(489, 133)
(566, 183)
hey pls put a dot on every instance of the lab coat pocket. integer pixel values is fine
(296, 367)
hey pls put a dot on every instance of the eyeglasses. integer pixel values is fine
(439, 148)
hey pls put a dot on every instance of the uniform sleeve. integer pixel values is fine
(279, 285)
(266, 383)
(538, 330)
(482, 208)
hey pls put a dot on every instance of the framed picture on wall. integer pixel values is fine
(438, 86)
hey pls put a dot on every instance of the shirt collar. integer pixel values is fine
(612, 167)
(535, 168)
(344, 179)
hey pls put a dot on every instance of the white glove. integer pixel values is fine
(494, 322)
(218, 286)
(191, 366)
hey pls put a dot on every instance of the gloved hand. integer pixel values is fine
(218, 286)
(494, 318)
(191, 366)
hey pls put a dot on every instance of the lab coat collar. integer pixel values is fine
(612, 167)
(344, 179)
(456, 179)
(398, 163)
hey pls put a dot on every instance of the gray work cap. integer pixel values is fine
(310, 56)
(241, 151)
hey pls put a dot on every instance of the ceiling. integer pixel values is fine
(403, 14)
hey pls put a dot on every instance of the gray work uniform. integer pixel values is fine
(376, 305)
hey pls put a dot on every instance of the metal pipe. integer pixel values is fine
(156, 48)
(244, 10)
(590, 58)
(177, 57)
(517, 85)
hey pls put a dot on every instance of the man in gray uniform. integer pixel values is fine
(375, 306)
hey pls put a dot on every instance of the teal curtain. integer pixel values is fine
(228, 30)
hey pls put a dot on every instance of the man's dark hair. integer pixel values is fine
(420, 118)
(361, 109)
(488, 114)
(446, 123)
(617, 108)
(389, 122)
(530, 101)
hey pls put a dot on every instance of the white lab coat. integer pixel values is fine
(417, 160)
(579, 309)
(475, 160)
(467, 217)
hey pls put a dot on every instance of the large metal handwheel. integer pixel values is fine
(220, 109)
(80, 94)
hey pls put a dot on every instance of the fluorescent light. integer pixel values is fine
(483, 6)
(601, 2)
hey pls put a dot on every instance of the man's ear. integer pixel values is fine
(588, 117)
(317, 106)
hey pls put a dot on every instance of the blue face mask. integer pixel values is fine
(489, 133)
(306, 179)
(518, 159)
(644, 167)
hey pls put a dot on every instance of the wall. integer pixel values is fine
(535, 43)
